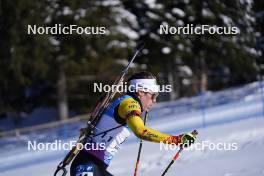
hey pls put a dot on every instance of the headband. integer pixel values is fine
(146, 85)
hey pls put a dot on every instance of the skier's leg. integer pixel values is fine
(86, 169)
(82, 166)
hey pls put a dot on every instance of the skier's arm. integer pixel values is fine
(130, 110)
(136, 124)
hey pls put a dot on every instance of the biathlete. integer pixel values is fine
(123, 116)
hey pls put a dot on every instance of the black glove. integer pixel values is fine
(188, 139)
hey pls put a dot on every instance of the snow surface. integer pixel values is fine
(233, 119)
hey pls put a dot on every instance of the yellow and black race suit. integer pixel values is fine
(122, 114)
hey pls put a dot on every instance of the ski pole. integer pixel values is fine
(176, 155)
(140, 147)
(172, 161)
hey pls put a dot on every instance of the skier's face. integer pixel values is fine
(147, 99)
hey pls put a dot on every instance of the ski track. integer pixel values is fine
(246, 161)
(240, 121)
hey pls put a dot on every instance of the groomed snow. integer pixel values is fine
(239, 122)
(246, 161)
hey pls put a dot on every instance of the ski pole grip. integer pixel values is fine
(195, 132)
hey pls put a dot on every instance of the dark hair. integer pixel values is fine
(141, 75)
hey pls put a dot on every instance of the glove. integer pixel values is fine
(184, 140)
(188, 139)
